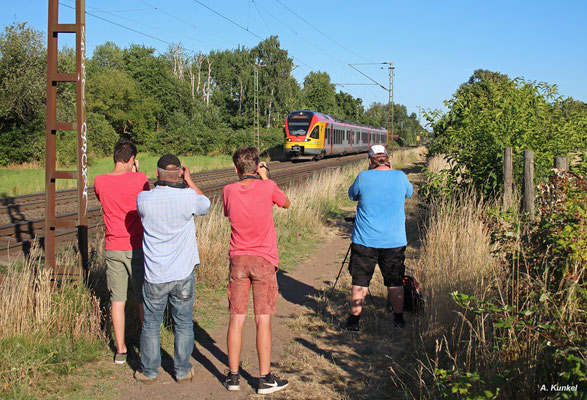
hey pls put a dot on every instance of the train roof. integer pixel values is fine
(340, 121)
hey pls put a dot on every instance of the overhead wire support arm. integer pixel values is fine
(357, 84)
(367, 76)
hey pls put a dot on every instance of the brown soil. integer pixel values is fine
(320, 360)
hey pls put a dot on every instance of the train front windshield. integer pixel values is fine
(298, 123)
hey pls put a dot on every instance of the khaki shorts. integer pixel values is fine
(122, 266)
(261, 274)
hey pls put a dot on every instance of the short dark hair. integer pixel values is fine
(380, 160)
(246, 160)
(123, 150)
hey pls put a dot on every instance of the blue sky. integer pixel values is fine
(434, 45)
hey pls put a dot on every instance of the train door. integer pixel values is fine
(351, 140)
(331, 137)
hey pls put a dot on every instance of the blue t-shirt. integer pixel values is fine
(381, 219)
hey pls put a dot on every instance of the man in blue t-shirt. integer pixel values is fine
(379, 234)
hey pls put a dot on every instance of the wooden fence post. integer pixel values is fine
(529, 182)
(507, 177)
(561, 163)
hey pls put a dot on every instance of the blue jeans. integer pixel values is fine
(181, 297)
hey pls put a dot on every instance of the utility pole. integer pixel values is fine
(79, 125)
(257, 143)
(389, 90)
(390, 98)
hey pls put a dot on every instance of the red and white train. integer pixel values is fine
(310, 134)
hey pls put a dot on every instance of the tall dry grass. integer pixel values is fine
(32, 303)
(438, 163)
(45, 326)
(456, 255)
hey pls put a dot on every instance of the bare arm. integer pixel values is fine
(262, 171)
(287, 203)
(188, 180)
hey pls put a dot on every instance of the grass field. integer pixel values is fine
(30, 178)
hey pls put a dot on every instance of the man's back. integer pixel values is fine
(249, 209)
(169, 241)
(380, 220)
(118, 196)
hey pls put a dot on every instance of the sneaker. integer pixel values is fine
(139, 376)
(271, 383)
(119, 358)
(232, 382)
(398, 320)
(352, 323)
(188, 377)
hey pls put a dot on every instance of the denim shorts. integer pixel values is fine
(391, 264)
(262, 275)
(122, 266)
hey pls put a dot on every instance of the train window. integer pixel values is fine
(315, 132)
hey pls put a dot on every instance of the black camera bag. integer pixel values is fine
(413, 299)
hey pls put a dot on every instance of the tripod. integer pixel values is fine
(339, 272)
(338, 276)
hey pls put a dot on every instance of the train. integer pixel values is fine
(313, 135)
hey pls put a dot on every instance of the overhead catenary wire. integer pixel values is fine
(312, 43)
(93, 13)
(246, 30)
(319, 31)
(159, 9)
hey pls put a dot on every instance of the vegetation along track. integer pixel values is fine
(23, 216)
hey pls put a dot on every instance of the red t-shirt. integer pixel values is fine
(118, 195)
(249, 209)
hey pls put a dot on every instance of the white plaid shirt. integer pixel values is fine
(169, 241)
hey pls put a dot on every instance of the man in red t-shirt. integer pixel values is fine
(248, 205)
(117, 192)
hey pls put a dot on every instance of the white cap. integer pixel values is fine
(377, 150)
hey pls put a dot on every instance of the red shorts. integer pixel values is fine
(255, 270)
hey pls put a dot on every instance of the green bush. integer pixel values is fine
(23, 143)
(491, 112)
(101, 135)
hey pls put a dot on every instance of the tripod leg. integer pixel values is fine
(339, 272)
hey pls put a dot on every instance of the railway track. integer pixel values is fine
(22, 217)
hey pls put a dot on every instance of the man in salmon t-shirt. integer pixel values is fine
(117, 192)
(248, 205)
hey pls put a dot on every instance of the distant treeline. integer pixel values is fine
(177, 101)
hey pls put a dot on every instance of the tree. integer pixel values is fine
(319, 94)
(22, 93)
(233, 75)
(348, 107)
(116, 96)
(108, 55)
(276, 85)
(490, 112)
(22, 74)
(405, 126)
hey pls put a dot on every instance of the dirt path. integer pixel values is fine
(309, 349)
(210, 355)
